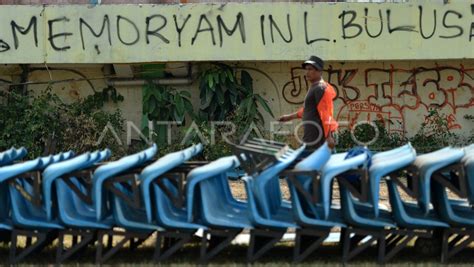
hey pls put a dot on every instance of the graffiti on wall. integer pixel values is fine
(254, 31)
(386, 94)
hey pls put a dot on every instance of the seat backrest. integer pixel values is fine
(166, 213)
(267, 192)
(430, 163)
(392, 152)
(314, 162)
(69, 204)
(215, 176)
(10, 171)
(192, 151)
(58, 170)
(469, 171)
(157, 169)
(383, 166)
(110, 170)
(441, 202)
(337, 165)
(15, 154)
(21, 207)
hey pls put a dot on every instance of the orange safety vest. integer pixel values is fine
(326, 109)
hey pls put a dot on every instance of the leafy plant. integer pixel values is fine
(434, 133)
(44, 124)
(223, 95)
(87, 119)
(375, 135)
(219, 92)
(249, 105)
(470, 139)
(165, 104)
(29, 121)
(97, 100)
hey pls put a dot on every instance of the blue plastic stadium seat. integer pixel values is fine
(305, 212)
(406, 214)
(383, 164)
(336, 165)
(267, 192)
(112, 169)
(355, 213)
(166, 213)
(24, 213)
(71, 210)
(457, 213)
(140, 219)
(430, 163)
(209, 199)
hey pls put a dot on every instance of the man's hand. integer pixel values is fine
(288, 117)
(331, 141)
(284, 118)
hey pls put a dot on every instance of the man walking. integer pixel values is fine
(317, 111)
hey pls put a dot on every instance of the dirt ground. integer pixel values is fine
(238, 190)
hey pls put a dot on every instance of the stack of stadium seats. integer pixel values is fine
(108, 205)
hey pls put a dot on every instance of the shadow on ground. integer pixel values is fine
(235, 256)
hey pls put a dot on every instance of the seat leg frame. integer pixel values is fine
(104, 253)
(351, 246)
(261, 241)
(87, 237)
(307, 240)
(169, 242)
(214, 241)
(43, 238)
(454, 241)
(394, 240)
(5, 236)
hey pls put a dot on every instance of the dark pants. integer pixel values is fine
(309, 150)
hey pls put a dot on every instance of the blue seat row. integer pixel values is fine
(139, 195)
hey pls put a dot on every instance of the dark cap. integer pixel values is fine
(314, 61)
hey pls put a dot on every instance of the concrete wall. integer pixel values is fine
(105, 2)
(400, 92)
(387, 61)
(235, 32)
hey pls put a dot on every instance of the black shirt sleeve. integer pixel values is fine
(319, 92)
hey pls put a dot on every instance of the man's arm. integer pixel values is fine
(288, 117)
(297, 115)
